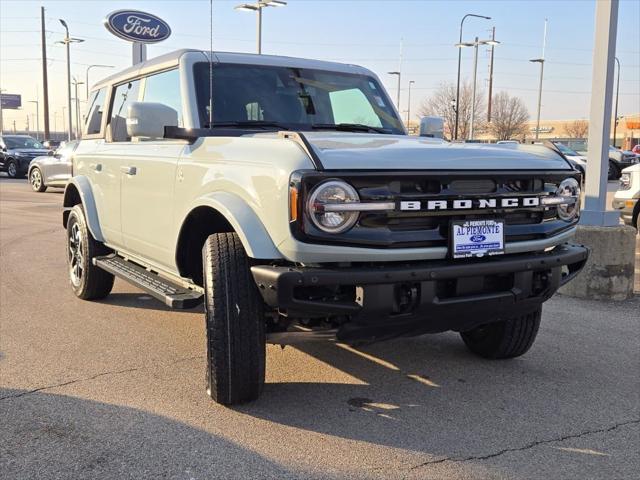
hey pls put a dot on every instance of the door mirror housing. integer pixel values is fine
(148, 119)
(50, 153)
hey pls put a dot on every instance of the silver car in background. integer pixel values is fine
(53, 170)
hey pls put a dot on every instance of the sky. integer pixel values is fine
(365, 32)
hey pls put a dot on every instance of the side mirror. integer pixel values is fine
(147, 119)
(50, 153)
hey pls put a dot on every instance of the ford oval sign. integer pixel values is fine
(478, 238)
(136, 26)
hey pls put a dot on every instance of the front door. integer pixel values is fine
(148, 173)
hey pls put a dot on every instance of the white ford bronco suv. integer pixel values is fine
(286, 196)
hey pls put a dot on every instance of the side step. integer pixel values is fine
(168, 292)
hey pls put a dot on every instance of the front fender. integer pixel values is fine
(78, 190)
(245, 222)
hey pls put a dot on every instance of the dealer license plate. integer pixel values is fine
(476, 238)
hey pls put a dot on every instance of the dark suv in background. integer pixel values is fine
(16, 152)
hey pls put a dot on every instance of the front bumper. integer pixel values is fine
(625, 206)
(431, 296)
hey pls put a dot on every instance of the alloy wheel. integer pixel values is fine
(76, 255)
(12, 170)
(36, 179)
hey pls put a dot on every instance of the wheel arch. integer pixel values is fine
(220, 212)
(78, 191)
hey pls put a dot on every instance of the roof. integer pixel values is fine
(172, 59)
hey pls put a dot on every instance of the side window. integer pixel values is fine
(94, 113)
(165, 88)
(123, 96)
(351, 106)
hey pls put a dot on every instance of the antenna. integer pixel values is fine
(210, 63)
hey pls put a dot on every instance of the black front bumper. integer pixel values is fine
(431, 296)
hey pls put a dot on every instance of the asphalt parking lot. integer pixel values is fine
(115, 389)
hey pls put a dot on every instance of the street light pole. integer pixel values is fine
(78, 128)
(411, 82)
(615, 114)
(473, 90)
(455, 135)
(37, 118)
(475, 44)
(257, 7)
(67, 42)
(541, 62)
(87, 76)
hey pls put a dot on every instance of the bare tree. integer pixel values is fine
(509, 117)
(440, 104)
(577, 129)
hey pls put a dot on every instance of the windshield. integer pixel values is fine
(21, 142)
(566, 150)
(293, 97)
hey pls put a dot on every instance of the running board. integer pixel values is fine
(168, 292)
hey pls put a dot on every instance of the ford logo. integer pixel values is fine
(136, 26)
(478, 238)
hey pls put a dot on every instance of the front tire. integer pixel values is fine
(235, 323)
(87, 281)
(12, 169)
(504, 339)
(36, 180)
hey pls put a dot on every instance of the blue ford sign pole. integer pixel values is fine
(137, 27)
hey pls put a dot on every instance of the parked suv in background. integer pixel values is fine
(627, 198)
(298, 206)
(16, 151)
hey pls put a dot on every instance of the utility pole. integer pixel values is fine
(493, 38)
(45, 80)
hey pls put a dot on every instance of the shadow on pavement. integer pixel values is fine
(54, 436)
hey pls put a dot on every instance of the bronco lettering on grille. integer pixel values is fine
(470, 204)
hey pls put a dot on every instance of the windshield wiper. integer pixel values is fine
(349, 127)
(250, 124)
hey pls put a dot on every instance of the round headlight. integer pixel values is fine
(327, 194)
(569, 187)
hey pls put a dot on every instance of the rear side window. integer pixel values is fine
(165, 88)
(123, 96)
(94, 113)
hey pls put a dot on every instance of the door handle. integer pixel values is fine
(129, 170)
(97, 168)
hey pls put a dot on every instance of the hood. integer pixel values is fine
(29, 151)
(363, 151)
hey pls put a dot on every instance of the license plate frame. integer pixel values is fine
(488, 233)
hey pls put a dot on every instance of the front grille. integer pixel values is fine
(406, 229)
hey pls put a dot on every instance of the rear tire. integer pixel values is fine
(36, 180)
(87, 281)
(614, 172)
(235, 322)
(504, 339)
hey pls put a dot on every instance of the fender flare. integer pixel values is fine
(253, 235)
(80, 187)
